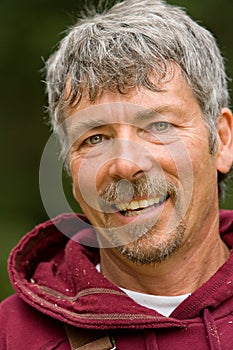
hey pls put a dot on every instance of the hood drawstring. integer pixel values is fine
(150, 340)
(211, 330)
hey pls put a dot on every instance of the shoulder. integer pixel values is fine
(20, 325)
(13, 310)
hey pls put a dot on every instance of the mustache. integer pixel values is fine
(144, 187)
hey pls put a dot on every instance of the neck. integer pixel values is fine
(183, 272)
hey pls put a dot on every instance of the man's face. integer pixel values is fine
(141, 170)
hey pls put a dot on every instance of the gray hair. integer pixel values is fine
(118, 49)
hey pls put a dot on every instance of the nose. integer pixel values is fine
(129, 160)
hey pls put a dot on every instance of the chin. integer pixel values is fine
(151, 249)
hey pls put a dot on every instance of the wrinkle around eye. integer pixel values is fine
(94, 140)
(160, 127)
(92, 146)
(164, 133)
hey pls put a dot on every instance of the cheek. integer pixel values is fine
(194, 168)
(87, 176)
(178, 162)
(204, 175)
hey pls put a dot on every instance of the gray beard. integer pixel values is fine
(146, 251)
(144, 245)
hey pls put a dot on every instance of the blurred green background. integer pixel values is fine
(29, 31)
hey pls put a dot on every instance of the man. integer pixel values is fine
(138, 98)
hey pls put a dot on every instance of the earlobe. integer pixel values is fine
(224, 156)
(74, 192)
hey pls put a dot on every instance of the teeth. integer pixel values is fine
(144, 203)
(121, 207)
(136, 213)
(151, 201)
(133, 205)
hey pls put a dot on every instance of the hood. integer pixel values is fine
(57, 276)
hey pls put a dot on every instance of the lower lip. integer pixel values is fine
(150, 212)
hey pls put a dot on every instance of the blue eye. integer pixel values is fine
(95, 139)
(160, 127)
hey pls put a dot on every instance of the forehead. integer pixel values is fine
(173, 96)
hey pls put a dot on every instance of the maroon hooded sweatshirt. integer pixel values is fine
(57, 283)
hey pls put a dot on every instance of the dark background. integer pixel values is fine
(29, 31)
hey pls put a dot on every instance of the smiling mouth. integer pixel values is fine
(138, 207)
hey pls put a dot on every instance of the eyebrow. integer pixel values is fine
(90, 124)
(152, 112)
(147, 114)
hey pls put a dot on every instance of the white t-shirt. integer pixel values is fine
(163, 304)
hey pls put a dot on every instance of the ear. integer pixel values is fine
(224, 155)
